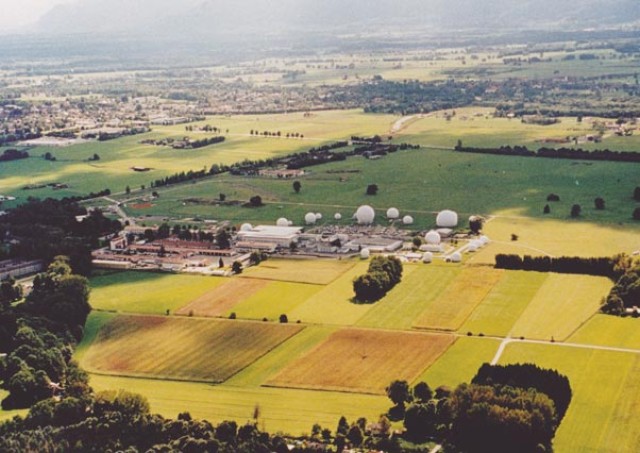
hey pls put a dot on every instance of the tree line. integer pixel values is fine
(611, 267)
(625, 294)
(559, 153)
(383, 274)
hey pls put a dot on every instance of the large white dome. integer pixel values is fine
(337, 216)
(393, 213)
(310, 218)
(246, 227)
(365, 254)
(433, 237)
(427, 257)
(407, 220)
(318, 216)
(365, 215)
(447, 219)
(282, 222)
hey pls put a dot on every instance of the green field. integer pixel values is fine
(144, 292)
(425, 187)
(181, 348)
(561, 305)
(113, 170)
(505, 303)
(606, 395)
(420, 285)
(461, 362)
(611, 331)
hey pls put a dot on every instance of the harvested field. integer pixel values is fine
(317, 272)
(454, 305)
(181, 348)
(364, 361)
(220, 300)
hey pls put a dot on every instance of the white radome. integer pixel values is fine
(478, 243)
(310, 218)
(365, 215)
(290, 223)
(407, 220)
(337, 216)
(246, 227)
(485, 239)
(365, 254)
(393, 213)
(318, 216)
(455, 257)
(427, 257)
(472, 247)
(447, 219)
(282, 222)
(433, 237)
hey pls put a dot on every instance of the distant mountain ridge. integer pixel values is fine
(262, 16)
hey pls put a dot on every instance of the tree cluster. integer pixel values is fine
(38, 338)
(625, 293)
(383, 274)
(13, 154)
(44, 229)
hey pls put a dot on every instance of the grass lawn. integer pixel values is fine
(454, 305)
(281, 410)
(274, 299)
(147, 292)
(332, 304)
(316, 272)
(608, 330)
(420, 285)
(181, 348)
(460, 363)
(606, 395)
(561, 305)
(363, 361)
(557, 238)
(504, 304)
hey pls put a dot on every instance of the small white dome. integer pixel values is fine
(427, 257)
(282, 222)
(246, 227)
(337, 216)
(310, 218)
(290, 223)
(477, 243)
(455, 257)
(485, 239)
(447, 219)
(365, 215)
(393, 213)
(433, 237)
(472, 247)
(318, 216)
(365, 254)
(407, 220)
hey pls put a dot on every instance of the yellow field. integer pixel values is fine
(181, 348)
(454, 305)
(561, 305)
(363, 360)
(317, 272)
(220, 300)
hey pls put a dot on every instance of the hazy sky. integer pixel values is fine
(17, 13)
